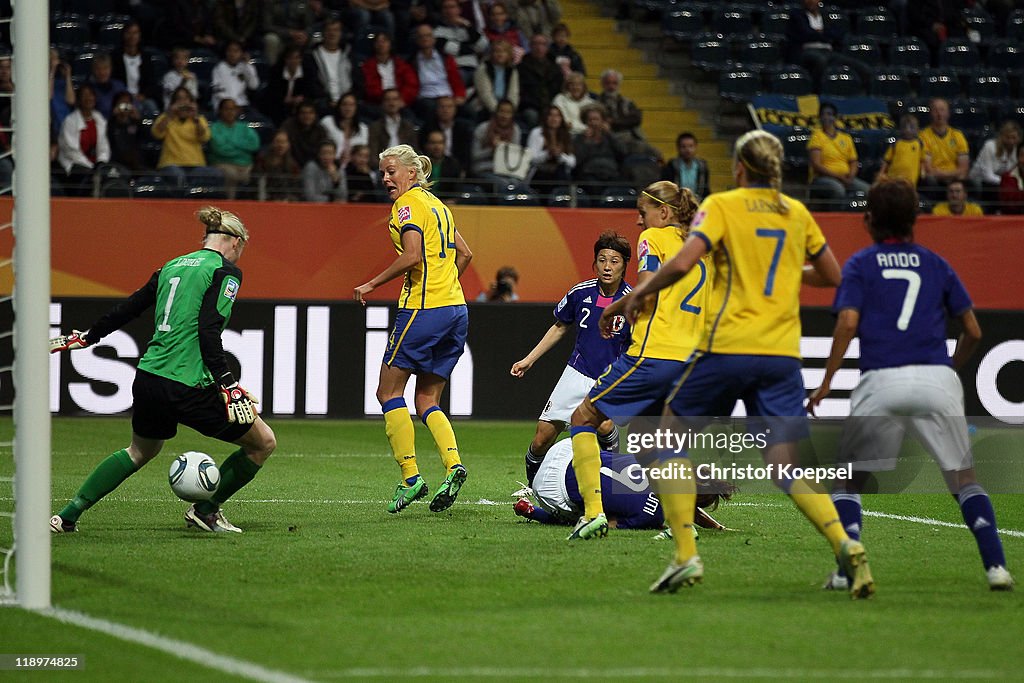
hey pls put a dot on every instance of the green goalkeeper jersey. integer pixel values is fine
(192, 296)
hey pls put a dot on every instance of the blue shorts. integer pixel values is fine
(429, 340)
(769, 386)
(634, 387)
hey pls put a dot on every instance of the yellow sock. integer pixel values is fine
(586, 461)
(817, 506)
(401, 435)
(444, 437)
(679, 501)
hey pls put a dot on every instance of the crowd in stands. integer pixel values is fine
(493, 91)
(948, 71)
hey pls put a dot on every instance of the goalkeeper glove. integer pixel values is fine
(75, 340)
(240, 404)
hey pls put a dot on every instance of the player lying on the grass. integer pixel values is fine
(431, 325)
(592, 352)
(663, 336)
(895, 296)
(629, 502)
(183, 378)
(761, 240)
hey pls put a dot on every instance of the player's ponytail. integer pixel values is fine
(760, 152)
(220, 222)
(680, 201)
(406, 156)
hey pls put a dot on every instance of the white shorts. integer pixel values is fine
(926, 400)
(573, 386)
(549, 482)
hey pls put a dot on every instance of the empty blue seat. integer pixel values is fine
(959, 54)
(683, 25)
(710, 52)
(739, 85)
(939, 83)
(791, 80)
(841, 81)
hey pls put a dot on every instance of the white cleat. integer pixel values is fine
(999, 579)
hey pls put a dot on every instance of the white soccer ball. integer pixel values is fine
(194, 476)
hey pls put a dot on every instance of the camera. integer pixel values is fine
(124, 106)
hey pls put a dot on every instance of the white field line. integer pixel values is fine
(652, 672)
(177, 648)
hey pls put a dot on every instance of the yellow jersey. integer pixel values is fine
(836, 152)
(905, 158)
(944, 149)
(434, 282)
(671, 327)
(759, 255)
(970, 209)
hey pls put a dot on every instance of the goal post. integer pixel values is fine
(30, 36)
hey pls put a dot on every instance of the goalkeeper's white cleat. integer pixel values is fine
(999, 579)
(677, 575)
(59, 526)
(215, 521)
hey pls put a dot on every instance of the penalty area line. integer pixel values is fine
(177, 648)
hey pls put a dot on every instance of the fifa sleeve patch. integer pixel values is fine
(231, 288)
(562, 304)
(698, 219)
(404, 214)
(642, 250)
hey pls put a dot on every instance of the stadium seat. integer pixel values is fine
(683, 25)
(1005, 55)
(1015, 26)
(70, 32)
(710, 52)
(988, 86)
(841, 81)
(920, 109)
(911, 53)
(618, 197)
(871, 145)
(563, 196)
(519, 199)
(473, 195)
(958, 54)
(758, 54)
(836, 18)
(157, 59)
(775, 22)
(81, 64)
(889, 84)
(969, 117)
(977, 19)
(794, 146)
(939, 83)
(201, 63)
(730, 22)
(877, 23)
(739, 85)
(791, 80)
(151, 187)
(864, 48)
(108, 36)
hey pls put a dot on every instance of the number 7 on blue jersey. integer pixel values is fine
(780, 237)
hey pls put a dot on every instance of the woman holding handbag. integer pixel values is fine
(497, 154)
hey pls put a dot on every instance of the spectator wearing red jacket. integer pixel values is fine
(501, 27)
(1011, 187)
(438, 74)
(384, 71)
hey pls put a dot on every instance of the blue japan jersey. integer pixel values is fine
(625, 494)
(903, 293)
(582, 307)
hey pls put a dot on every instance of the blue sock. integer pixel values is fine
(849, 509)
(980, 518)
(541, 515)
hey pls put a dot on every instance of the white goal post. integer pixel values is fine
(31, 217)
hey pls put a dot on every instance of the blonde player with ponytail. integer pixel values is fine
(431, 325)
(760, 240)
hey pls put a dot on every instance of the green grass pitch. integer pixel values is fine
(325, 585)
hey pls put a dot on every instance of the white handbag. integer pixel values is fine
(512, 160)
